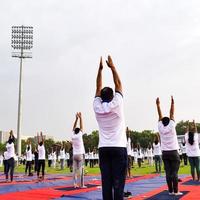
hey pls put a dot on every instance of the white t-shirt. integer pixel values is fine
(77, 143)
(10, 150)
(157, 149)
(5, 155)
(192, 150)
(41, 152)
(183, 148)
(110, 118)
(129, 147)
(149, 152)
(139, 154)
(28, 153)
(50, 157)
(168, 136)
(62, 154)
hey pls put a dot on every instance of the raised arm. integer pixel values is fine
(159, 109)
(75, 122)
(38, 139)
(42, 138)
(81, 121)
(99, 79)
(172, 108)
(116, 79)
(195, 126)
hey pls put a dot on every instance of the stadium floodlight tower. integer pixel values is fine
(22, 43)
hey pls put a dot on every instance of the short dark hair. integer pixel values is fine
(107, 94)
(76, 130)
(165, 121)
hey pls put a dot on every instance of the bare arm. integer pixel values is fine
(116, 78)
(159, 109)
(172, 109)
(81, 121)
(99, 79)
(195, 126)
(42, 138)
(75, 122)
(38, 138)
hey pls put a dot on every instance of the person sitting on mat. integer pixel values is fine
(169, 147)
(192, 149)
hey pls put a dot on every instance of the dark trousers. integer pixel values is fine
(185, 158)
(91, 163)
(171, 161)
(10, 167)
(139, 160)
(113, 165)
(36, 166)
(49, 163)
(5, 163)
(41, 163)
(28, 167)
(158, 162)
(194, 164)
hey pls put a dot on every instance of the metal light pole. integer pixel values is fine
(22, 43)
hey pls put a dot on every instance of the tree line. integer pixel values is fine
(91, 140)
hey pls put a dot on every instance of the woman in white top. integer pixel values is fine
(184, 153)
(150, 155)
(139, 155)
(41, 156)
(169, 147)
(10, 156)
(62, 157)
(28, 158)
(157, 154)
(78, 151)
(192, 149)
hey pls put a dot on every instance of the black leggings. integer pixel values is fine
(41, 163)
(28, 167)
(171, 161)
(10, 167)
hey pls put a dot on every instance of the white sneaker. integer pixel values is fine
(171, 193)
(178, 193)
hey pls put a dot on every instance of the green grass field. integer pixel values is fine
(145, 169)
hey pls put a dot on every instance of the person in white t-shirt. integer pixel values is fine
(169, 147)
(5, 161)
(41, 156)
(54, 158)
(139, 155)
(150, 155)
(78, 151)
(10, 156)
(184, 154)
(192, 149)
(109, 112)
(50, 158)
(157, 154)
(28, 158)
(1, 160)
(129, 152)
(62, 157)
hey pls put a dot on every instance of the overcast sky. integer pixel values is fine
(155, 45)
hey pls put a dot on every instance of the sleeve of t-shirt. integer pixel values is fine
(117, 100)
(97, 104)
(172, 123)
